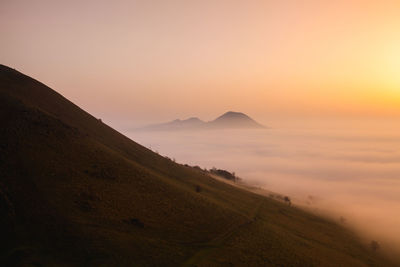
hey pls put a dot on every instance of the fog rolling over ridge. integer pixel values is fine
(348, 170)
(229, 120)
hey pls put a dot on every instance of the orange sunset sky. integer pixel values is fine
(160, 60)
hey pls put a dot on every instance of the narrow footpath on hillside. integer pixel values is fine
(220, 240)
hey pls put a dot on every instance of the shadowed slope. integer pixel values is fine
(73, 191)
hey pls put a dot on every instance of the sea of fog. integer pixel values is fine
(349, 170)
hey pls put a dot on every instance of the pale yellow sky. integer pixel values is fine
(159, 60)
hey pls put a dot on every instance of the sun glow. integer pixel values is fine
(278, 57)
(388, 74)
(392, 69)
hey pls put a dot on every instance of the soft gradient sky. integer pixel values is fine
(146, 61)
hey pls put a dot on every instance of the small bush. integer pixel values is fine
(374, 245)
(287, 200)
(135, 222)
(224, 174)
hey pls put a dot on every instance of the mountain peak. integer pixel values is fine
(178, 124)
(194, 119)
(230, 119)
(233, 114)
(233, 119)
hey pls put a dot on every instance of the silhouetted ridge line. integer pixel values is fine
(229, 120)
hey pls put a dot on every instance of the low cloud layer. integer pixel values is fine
(350, 173)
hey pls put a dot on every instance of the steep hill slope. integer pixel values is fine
(75, 192)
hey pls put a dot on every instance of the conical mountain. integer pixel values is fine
(233, 119)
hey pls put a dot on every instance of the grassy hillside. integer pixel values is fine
(75, 192)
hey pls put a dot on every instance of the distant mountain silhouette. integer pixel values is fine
(234, 120)
(177, 124)
(229, 119)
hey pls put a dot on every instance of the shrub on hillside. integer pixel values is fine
(374, 245)
(224, 174)
(287, 200)
(198, 188)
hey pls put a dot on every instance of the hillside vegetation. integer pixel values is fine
(75, 192)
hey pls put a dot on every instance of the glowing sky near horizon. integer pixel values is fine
(159, 60)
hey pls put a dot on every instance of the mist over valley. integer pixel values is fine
(346, 169)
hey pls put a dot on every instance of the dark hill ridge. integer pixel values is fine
(229, 120)
(75, 192)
